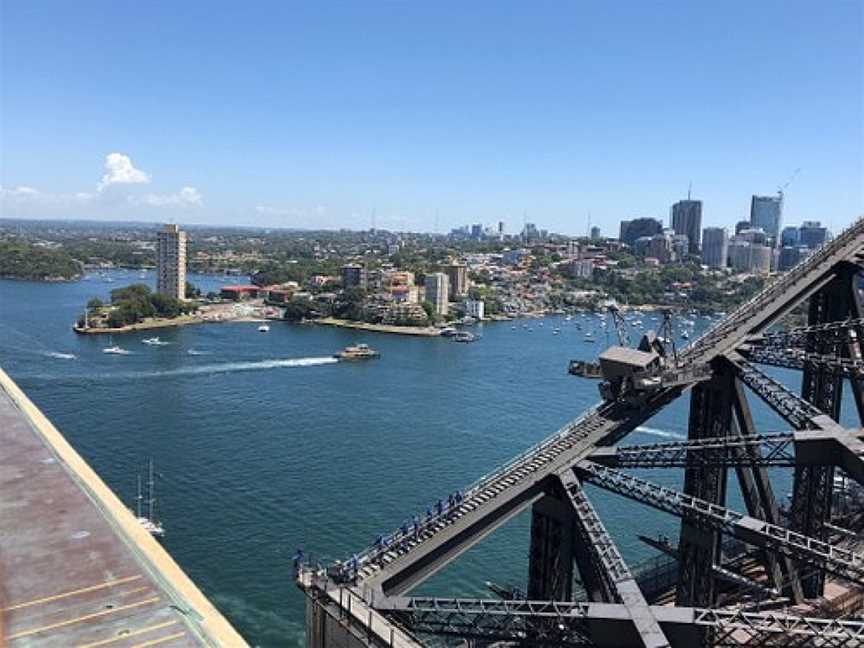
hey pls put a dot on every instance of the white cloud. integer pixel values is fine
(16, 192)
(112, 192)
(120, 170)
(186, 197)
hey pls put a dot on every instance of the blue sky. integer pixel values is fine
(317, 114)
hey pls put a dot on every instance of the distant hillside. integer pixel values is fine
(20, 260)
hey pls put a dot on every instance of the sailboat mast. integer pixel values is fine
(152, 495)
(138, 500)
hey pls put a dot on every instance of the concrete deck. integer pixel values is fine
(76, 569)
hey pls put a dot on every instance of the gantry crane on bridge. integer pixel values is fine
(772, 594)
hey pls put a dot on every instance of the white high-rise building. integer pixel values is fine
(475, 308)
(171, 262)
(437, 285)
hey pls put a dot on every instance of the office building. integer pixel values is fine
(661, 246)
(742, 225)
(754, 235)
(789, 236)
(637, 228)
(595, 233)
(457, 274)
(766, 212)
(641, 246)
(687, 221)
(792, 255)
(752, 258)
(715, 247)
(354, 276)
(171, 262)
(812, 234)
(477, 231)
(437, 286)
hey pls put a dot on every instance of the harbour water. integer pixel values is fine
(264, 443)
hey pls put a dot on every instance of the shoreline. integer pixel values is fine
(146, 325)
(419, 331)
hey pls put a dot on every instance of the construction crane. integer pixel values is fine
(782, 188)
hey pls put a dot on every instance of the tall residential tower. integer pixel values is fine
(171, 262)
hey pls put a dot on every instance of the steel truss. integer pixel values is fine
(801, 359)
(797, 411)
(773, 450)
(722, 435)
(842, 562)
(577, 624)
(831, 333)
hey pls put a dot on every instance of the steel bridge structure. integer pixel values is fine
(366, 601)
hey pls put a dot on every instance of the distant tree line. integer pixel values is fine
(20, 260)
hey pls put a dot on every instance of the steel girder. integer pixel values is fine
(773, 450)
(823, 387)
(618, 582)
(607, 625)
(550, 559)
(797, 411)
(759, 496)
(699, 544)
(834, 365)
(831, 334)
(842, 562)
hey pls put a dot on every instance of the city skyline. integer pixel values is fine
(440, 117)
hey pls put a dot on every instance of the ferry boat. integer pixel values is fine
(264, 328)
(358, 352)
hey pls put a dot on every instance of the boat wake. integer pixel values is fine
(61, 356)
(661, 433)
(231, 367)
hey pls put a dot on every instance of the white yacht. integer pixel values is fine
(154, 341)
(149, 522)
(116, 350)
(264, 328)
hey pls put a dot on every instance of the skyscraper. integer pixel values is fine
(171, 262)
(715, 247)
(687, 221)
(789, 236)
(595, 233)
(812, 234)
(766, 212)
(437, 287)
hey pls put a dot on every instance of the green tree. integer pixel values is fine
(192, 291)
(299, 309)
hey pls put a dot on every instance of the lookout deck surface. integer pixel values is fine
(76, 569)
